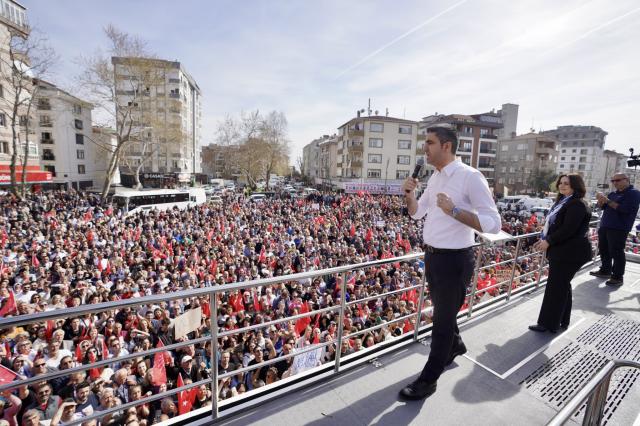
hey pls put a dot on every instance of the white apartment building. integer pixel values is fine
(377, 148)
(167, 111)
(13, 22)
(328, 157)
(581, 151)
(64, 136)
(105, 142)
(311, 158)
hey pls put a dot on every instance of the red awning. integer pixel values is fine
(32, 177)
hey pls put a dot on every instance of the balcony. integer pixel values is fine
(44, 107)
(465, 134)
(356, 162)
(48, 157)
(356, 146)
(493, 137)
(174, 80)
(487, 151)
(545, 151)
(355, 132)
(45, 124)
(420, 151)
(46, 141)
(464, 149)
(422, 137)
(174, 95)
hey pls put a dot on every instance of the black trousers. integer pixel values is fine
(556, 304)
(448, 275)
(611, 243)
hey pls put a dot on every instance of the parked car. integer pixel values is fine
(216, 199)
(256, 198)
(509, 202)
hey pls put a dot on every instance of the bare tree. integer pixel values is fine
(262, 145)
(29, 58)
(122, 98)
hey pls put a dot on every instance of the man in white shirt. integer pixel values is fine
(456, 202)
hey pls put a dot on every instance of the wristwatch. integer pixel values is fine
(455, 212)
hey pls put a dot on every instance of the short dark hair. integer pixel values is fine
(575, 182)
(445, 133)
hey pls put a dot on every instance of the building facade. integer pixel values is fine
(164, 103)
(581, 151)
(377, 148)
(13, 23)
(523, 158)
(477, 138)
(217, 161)
(64, 137)
(328, 160)
(105, 142)
(311, 158)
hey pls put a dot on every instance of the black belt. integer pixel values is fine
(433, 250)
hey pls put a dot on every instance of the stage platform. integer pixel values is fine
(509, 376)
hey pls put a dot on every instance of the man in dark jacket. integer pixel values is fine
(619, 212)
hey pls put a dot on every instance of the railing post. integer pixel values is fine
(416, 330)
(214, 353)
(343, 290)
(513, 269)
(474, 282)
(595, 404)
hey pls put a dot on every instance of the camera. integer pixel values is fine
(633, 161)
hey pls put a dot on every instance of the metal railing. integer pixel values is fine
(476, 300)
(594, 392)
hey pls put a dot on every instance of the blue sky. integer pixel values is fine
(563, 62)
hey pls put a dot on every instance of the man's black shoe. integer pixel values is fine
(541, 329)
(461, 349)
(600, 274)
(614, 282)
(418, 389)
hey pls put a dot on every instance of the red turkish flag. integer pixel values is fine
(94, 373)
(158, 372)
(302, 323)
(9, 305)
(6, 375)
(263, 256)
(352, 231)
(369, 235)
(185, 398)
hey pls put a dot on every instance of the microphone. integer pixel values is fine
(416, 170)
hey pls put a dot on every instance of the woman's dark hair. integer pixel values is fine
(445, 133)
(575, 182)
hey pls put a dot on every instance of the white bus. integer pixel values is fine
(133, 201)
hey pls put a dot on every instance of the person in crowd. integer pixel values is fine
(567, 247)
(619, 212)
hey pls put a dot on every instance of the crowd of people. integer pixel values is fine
(64, 249)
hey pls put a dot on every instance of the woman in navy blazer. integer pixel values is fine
(567, 246)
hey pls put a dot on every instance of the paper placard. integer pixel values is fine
(187, 322)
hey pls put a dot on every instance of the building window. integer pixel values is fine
(404, 129)
(402, 174)
(3, 120)
(404, 159)
(504, 148)
(24, 120)
(46, 137)
(81, 169)
(79, 139)
(376, 127)
(77, 109)
(404, 144)
(584, 151)
(581, 167)
(78, 124)
(50, 168)
(375, 158)
(562, 166)
(573, 151)
(564, 151)
(562, 158)
(583, 159)
(1, 91)
(4, 147)
(374, 173)
(80, 154)
(375, 143)
(45, 121)
(573, 158)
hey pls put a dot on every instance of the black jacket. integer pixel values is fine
(568, 236)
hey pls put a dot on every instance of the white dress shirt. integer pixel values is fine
(468, 189)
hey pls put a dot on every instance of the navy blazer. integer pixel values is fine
(568, 235)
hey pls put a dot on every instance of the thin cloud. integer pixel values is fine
(397, 39)
(599, 27)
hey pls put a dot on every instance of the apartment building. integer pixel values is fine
(477, 138)
(64, 136)
(521, 158)
(377, 148)
(311, 158)
(104, 143)
(164, 102)
(216, 161)
(328, 160)
(13, 23)
(581, 151)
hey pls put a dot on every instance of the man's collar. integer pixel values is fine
(450, 168)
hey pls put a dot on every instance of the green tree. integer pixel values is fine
(542, 180)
